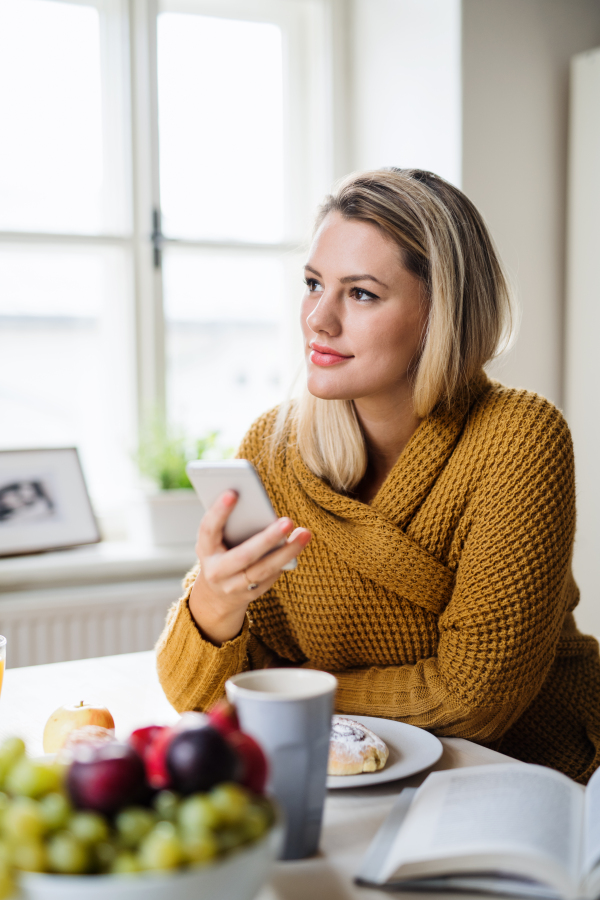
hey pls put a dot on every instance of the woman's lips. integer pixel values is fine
(325, 356)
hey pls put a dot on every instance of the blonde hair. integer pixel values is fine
(445, 242)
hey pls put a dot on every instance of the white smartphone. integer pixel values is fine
(252, 513)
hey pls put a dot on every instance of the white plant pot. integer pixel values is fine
(167, 518)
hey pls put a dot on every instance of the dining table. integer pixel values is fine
(128, 685)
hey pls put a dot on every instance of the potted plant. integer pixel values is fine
(171, 509)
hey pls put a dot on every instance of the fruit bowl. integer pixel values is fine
(173, 813)
(239, 876)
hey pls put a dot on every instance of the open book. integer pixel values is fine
(512, 829)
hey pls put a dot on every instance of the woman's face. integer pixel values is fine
(363, 313)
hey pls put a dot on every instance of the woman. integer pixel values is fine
(437, 507)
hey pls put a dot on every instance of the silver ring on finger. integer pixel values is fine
(252, 585)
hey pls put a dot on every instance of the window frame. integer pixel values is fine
(318, 94)
(314, 100)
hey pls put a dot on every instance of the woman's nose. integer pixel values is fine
(324, 316)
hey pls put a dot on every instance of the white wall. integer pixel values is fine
(405, 85)
(516, 57)
(582, 398)
(515, 63)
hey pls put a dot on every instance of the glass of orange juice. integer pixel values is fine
(2, 658)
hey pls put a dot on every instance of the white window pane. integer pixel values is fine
(62, 155)
(220, 128)
(65, 359)
(226, 344)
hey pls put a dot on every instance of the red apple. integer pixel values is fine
(155, 759)
(67, 718)
(255, 768)
(142, 738)
(153, 743)
(223, 717)
(106, 777)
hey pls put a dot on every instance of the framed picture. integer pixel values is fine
(44, 503)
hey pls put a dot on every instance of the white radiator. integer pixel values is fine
(81, 622)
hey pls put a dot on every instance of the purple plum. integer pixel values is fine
(106, 777)
(198, 758)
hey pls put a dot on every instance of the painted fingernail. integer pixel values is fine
(229, 497)
(285, 525)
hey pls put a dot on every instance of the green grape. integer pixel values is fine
(267, 806)
(230, 837)
(10, 750)
(5, 855)
(166, 804)
(200, 849)
(32, 779)
(30, 856)
(88, 827)
(21, 777)
(104, 854)
(161, 849)
(4, 804)
(125, 863)
(7, 885)
(56, 810)
(23, 820)
(231, 802)
(197, 814)
(50, 778)
(67, 855)
(256, 821)
(133, 824)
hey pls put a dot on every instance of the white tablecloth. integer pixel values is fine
(128, 686)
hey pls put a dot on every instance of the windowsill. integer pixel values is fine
(102, 563)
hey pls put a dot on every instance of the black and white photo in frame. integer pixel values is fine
(44, 503)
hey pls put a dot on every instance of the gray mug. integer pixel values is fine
(288, 711)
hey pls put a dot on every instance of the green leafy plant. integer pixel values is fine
(163, 453)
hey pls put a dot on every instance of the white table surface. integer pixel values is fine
(129, 687)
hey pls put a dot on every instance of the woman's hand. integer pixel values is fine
(221, 592)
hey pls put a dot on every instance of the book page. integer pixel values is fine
(511, 811)
(591, 853)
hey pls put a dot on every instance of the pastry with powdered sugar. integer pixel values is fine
(354, 749)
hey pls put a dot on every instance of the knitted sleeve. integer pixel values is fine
(191, 670)
(499, 632)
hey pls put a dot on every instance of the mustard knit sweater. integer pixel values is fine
(445, 603)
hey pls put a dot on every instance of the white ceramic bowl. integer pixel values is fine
(237, 877)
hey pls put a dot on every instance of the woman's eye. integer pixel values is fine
(312, 284)
(361, 295)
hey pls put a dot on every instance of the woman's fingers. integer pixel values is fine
(218, 602)
(266, 552)
(242, 556)
(210, 533)
(270, 566)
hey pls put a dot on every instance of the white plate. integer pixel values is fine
(411, 750)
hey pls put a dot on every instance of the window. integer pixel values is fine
(66, 279)
(158, 171)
